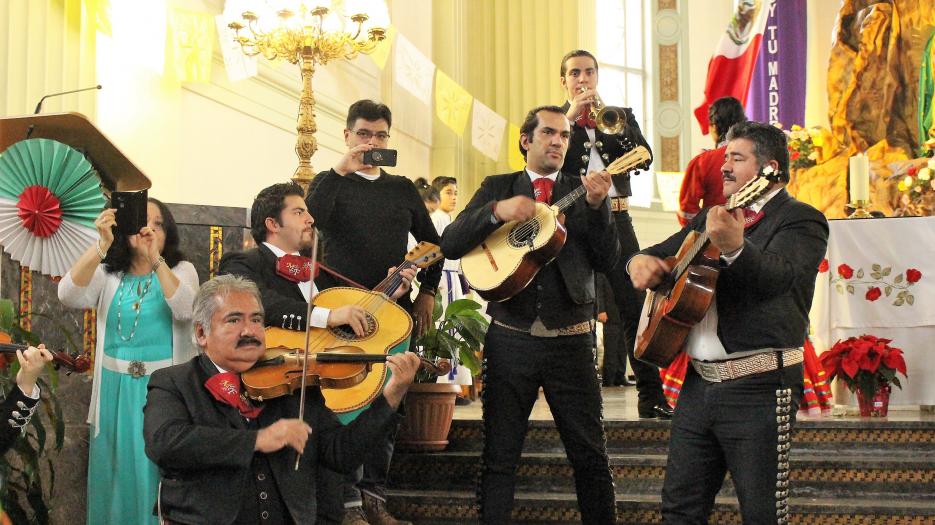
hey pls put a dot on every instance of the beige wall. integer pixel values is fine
(218, 143)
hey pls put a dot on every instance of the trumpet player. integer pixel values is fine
(597, 139)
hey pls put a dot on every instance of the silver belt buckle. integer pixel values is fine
(137, 369)
(708, 371)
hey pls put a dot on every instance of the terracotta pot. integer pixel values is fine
(429, 409)
(876, 406)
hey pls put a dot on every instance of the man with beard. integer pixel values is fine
(542, 336)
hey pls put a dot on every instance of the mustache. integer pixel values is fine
(727, 175)
(248, 340)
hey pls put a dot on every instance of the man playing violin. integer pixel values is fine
(226, 459)
(738, 402)
(282, 227)
(19, 405)
(542, 336)
(591, 149)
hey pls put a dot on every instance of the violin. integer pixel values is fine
(72, 363)
(279, 372)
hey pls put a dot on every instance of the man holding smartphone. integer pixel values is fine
(365, 215)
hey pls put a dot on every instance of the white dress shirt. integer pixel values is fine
(703, 343)
(595, 162)
(320, 315)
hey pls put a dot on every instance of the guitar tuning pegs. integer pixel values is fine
(291, 318)
(298, 322)
(284, 321)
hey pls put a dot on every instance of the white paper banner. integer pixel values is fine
(487, 129)
(414, 71)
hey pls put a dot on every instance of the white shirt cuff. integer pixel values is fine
(31, 395)
(320, 317)
(730, 260)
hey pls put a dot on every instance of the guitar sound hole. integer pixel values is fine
(347, 333)
(524, 234)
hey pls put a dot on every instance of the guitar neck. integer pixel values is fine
(393, 281)
(701, 242)
(11, 348)
(565, 202)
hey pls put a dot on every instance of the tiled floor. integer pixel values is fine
(620, 404)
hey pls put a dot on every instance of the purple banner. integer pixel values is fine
(777, 92)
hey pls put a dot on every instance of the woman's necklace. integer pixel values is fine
(141, 291)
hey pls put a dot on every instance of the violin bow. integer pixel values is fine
(308, 324)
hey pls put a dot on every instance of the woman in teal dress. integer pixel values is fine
(143, 291)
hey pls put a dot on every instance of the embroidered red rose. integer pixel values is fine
(873, 294)
(794, 155)
(845, 271)
(913, 170)
(913, 275)
(823, 267)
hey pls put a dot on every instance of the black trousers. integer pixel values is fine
(515, 366)
(614, 371)
(743, 427)
(630, 303)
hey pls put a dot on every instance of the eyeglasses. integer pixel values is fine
(366, 134)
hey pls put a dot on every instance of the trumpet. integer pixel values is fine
(611, 120)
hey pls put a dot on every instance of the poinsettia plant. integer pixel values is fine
(865, 363)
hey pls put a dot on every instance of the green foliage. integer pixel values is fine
(459, 331)
(21, 493)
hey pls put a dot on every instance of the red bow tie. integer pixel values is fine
(584, 120)
(295, 268)
(543, 189)
(225, 387)
(751, 217)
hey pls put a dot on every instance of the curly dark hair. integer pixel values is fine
(119, 257)
(370, 111)
(269, 203)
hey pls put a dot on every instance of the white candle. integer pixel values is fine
(859, 178)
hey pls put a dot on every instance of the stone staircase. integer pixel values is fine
(843, 472)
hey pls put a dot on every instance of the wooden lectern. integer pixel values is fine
(117, 172)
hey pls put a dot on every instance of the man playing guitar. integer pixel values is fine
(541, 337)
(738, 402)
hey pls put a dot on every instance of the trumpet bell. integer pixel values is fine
(611, 120)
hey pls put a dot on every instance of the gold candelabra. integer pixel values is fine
(307, 36)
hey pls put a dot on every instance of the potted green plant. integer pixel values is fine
(457, 333)
(24, 494)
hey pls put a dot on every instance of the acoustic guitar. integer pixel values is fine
(387, 330)
(682, 299)
(508, 260)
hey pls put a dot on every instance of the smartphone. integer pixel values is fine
(380, 157)
(131, 209)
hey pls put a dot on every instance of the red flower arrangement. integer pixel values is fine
(867, 362)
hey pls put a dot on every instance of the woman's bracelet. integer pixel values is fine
(100, 251)
(159, 262)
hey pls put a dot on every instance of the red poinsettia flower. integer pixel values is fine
(894, 359)
(913, 275)
(873, 293)
(823, 267)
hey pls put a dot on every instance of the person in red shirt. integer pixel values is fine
(702, 185)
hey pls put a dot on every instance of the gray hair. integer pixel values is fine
(212, 294)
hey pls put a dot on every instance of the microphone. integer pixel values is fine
(41, 100)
